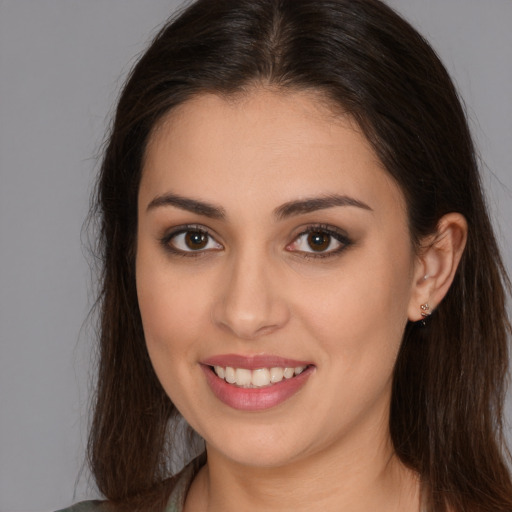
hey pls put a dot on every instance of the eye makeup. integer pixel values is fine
(319, 241)
(189, 240)
(312, 241)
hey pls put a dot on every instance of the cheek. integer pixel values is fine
(170, 322)
(360, 316)
(170, 312)
(358, 323)
(170, 298)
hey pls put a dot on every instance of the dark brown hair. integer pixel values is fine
(449, 380)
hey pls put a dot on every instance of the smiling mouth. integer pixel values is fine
(258, 378)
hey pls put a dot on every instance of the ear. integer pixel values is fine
(436, 264)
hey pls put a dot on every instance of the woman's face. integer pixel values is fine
(272, 243)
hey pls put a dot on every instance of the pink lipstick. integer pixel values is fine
(255, 383)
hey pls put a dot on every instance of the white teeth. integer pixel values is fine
(289, 373)
(243, 377)
(276, 375)
(258, 378)
(230, 375)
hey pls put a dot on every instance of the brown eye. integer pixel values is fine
(193, 240)
(196, 240)
(319, 241)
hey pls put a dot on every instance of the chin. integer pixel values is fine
(256, 455)
(257, 446)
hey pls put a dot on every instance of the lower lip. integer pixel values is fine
(255, 399)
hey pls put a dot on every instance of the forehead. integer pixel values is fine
(265, 144)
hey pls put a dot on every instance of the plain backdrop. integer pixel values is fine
(61, 66)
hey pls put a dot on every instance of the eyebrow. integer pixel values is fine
(289, 209)
(313, 204)
(191, 205)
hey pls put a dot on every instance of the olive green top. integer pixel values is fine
(176, 499)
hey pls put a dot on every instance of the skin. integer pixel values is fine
(257, 288)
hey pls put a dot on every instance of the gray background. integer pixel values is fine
(61, 66)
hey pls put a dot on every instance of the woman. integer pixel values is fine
(298, 259)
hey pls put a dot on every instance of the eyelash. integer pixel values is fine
(324, 229)
(180, 230)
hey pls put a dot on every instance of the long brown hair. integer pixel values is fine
(449, 380)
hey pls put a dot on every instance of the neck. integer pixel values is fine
(365, 477)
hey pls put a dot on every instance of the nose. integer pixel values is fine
(251, 302)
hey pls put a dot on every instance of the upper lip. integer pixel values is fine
(253, 362)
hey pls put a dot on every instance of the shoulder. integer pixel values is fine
(85, 506)
(179, 485)
(181, 482)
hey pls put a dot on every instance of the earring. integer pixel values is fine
(425, 312)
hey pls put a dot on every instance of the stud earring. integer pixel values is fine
(425, 312)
